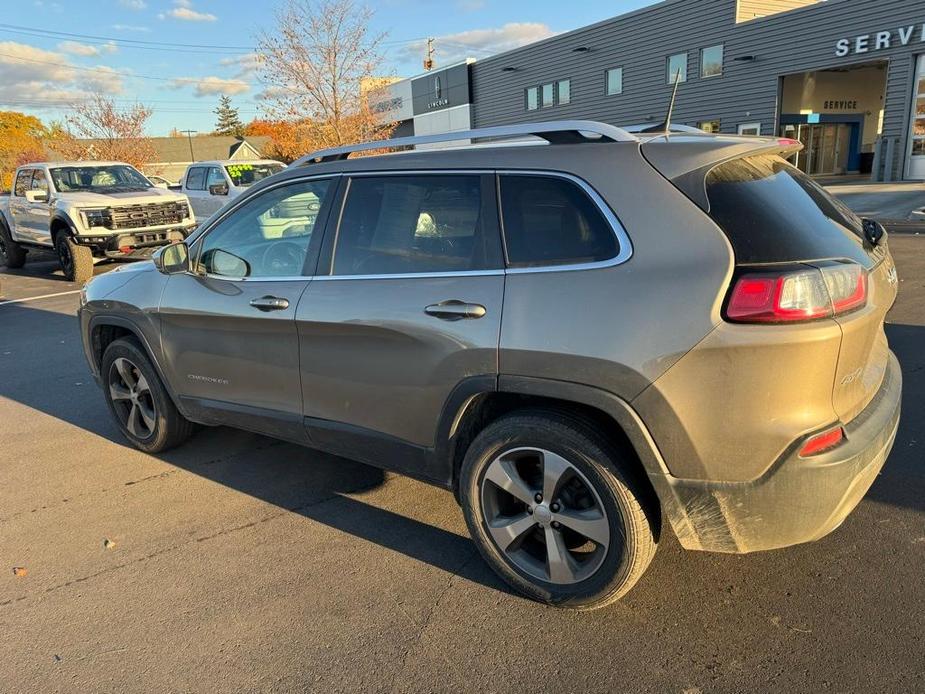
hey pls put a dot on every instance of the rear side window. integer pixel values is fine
(416, 223)
(196, 179)
(552, 221)
(23, 182)
(772, 212)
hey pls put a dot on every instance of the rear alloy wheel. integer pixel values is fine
(138, 400)
(555, 510)
(76, 261)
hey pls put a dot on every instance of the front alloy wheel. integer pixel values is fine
(132, 399)
(545, 516)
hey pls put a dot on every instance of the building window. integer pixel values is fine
(547, 95)
(564, 91)
(613, 81)
(547, 92)
(677, 68)
(711, 61)
(709, 126)
(750, 129)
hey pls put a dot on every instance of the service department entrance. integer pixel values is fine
(837, 114)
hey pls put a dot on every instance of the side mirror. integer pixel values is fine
(173, 259)
(218, 189)
(37, 195)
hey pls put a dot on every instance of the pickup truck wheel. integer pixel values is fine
(11, 253)
(138, 400)
(76, 261)
(554, 512)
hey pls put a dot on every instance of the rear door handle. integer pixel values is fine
(270, 303)
(455, 310)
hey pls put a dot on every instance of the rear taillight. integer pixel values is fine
(802, 294)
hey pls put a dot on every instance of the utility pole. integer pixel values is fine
(429, 58)
(189, 136)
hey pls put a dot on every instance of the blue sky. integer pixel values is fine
(51, 52)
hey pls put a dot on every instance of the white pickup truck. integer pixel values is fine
(89, 212)
(209, 185)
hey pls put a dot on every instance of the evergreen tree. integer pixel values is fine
(229, 122)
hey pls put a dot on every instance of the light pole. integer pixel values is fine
(189, 136)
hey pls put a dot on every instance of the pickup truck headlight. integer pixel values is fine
(96, 218)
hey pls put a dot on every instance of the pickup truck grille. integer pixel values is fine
(138, 216)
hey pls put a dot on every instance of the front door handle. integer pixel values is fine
(455, 310)
(270, 303)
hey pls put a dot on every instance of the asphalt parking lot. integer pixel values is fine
(238, 563)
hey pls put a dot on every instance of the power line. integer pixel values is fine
(64, 34)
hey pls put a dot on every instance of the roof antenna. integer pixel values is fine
(666, 126)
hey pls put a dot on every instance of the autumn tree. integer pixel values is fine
(21, 142)
(312, 64)
(98, 129)
(229, 122)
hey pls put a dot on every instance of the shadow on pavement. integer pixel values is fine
(39, 370)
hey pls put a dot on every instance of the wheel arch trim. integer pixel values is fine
(100, 321)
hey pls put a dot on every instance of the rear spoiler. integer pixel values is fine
(687, 161)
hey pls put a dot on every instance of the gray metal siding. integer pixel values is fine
(640, 42)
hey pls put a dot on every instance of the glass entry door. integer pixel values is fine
(917, 154)
(825, 148)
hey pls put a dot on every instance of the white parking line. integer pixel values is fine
(36, 298)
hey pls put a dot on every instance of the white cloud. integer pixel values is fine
(134, 4)
(184, 11)
(32, 77)
(210, 86)
(247, 65)
(479, 43)
(130, 27)
(87, 49)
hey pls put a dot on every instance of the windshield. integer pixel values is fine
(114, 178)
(243, 175)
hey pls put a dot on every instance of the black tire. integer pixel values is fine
(169, 428)
(11, 253)
(624, 502)
(76, 261)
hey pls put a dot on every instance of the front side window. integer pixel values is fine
(39, 181)
(613, 79)
(107, 179)
(677, 68)
(215, 178)
(711, 61)
(269, 236)
(414, 224)
(23, 182)
(552, 221)
(196, 178)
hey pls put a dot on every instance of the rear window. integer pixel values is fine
(772, 212)
(551, 221)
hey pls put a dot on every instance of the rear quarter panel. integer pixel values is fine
(620, 328)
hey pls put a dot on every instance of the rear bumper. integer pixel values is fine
(797, 500)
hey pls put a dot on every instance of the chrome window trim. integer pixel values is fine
(623, 239)
(625, 246)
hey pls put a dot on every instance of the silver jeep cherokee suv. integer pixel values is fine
(582, 339)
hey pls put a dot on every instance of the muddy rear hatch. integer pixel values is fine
(800, 254)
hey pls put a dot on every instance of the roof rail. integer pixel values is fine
(554, 132)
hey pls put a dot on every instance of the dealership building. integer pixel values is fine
(846, 77)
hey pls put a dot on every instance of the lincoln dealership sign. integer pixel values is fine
(880, 40)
